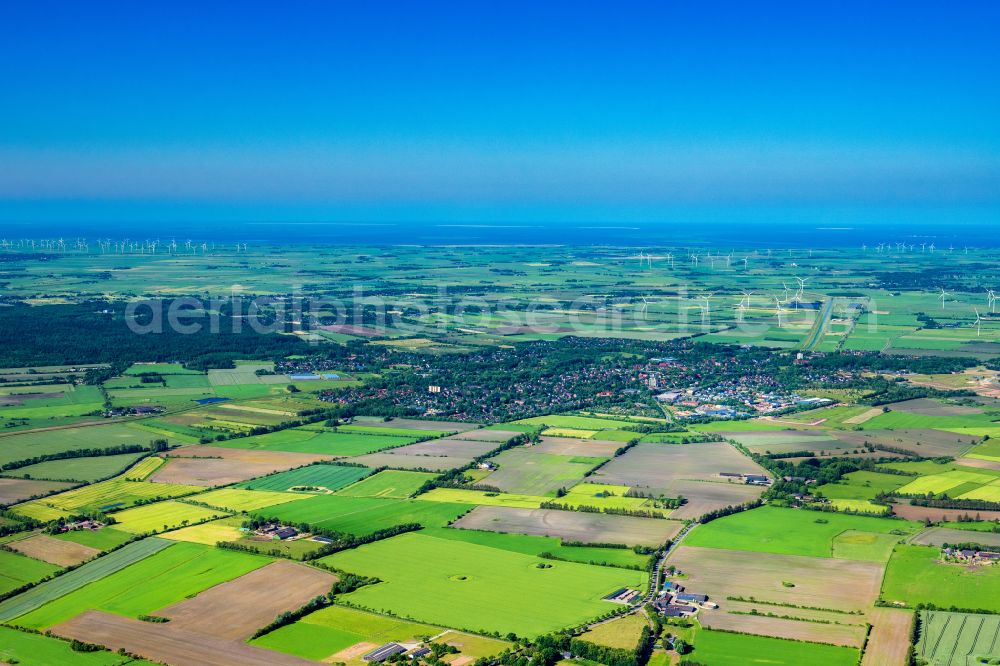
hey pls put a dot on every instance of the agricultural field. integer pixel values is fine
(420, 462)
(459, 584)
(104, 496)
(571, 525)
(72, 581)
(324, 442)
(795, 532)
(17, 490)
(215, 466)
(839, 592)
(536, 545)
(86, 470)
(22, 446)
(241, 500)
(954, 534)
(102, 539)
(17, 570)
(243, 605)
(916, 574)
(722, 648)
(331, 632)
(162, 516)
(390, 484)
(364, 515)
(525, 471)
(210, 533)
(20, 647)
(166, 577)
(60, 552)
(691, 471)
(324, 476)
(623, 633)
(957, 639)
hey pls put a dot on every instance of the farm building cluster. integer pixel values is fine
(748, 479)
(625, 596)
(673, 601)
(970, 556)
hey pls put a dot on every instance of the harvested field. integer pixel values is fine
(844, 635)
(17, 490)
(931, 407)
(168, 644)
(447, 446)
(571, 525)
(525, 470)
(658, 467)
(54, 551)
(483, 435)
(980, 463)
(938, 536)
(402, 461)
(921, 441)
(889, 642)
(843, 585)
(240, 607)
(705, 496)
(910, 512)
(838, 585)
(414, 424)
(218, 466)
(566, 446)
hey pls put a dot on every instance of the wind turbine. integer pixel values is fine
(670, 260)
(944, 294)
(739, 312)
(802, 284)
(745, 261)
(991, 300)
(706, 310)
(644, 303)
(778, 310)
(977, 322)
(746, 298)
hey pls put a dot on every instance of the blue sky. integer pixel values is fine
(496, 111)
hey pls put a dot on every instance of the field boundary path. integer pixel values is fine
(816, 332)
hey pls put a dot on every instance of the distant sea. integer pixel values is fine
(697, 233)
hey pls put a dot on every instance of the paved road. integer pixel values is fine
(637, 607)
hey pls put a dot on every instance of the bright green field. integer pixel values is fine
(534, 545)
(390, 483)
(942, 483)
(171, 575)
(17, 570)
(862, 485)
(331, 477)
(721, 648)
(470, 586)
(162, 516)
(31, 444)
(393, 432)
(76, 469)
(484, 498)
(325, 442)
(364, 515)
(788, 531)
(332, 629)
(19, 647)
(102, 539)
(952, 639)
(915, 575)
(238, 499)
(76, 579)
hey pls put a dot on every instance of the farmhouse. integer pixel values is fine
(695, 598)
(622, 596)
(757, 480)
(382, 653)
(971, 556)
